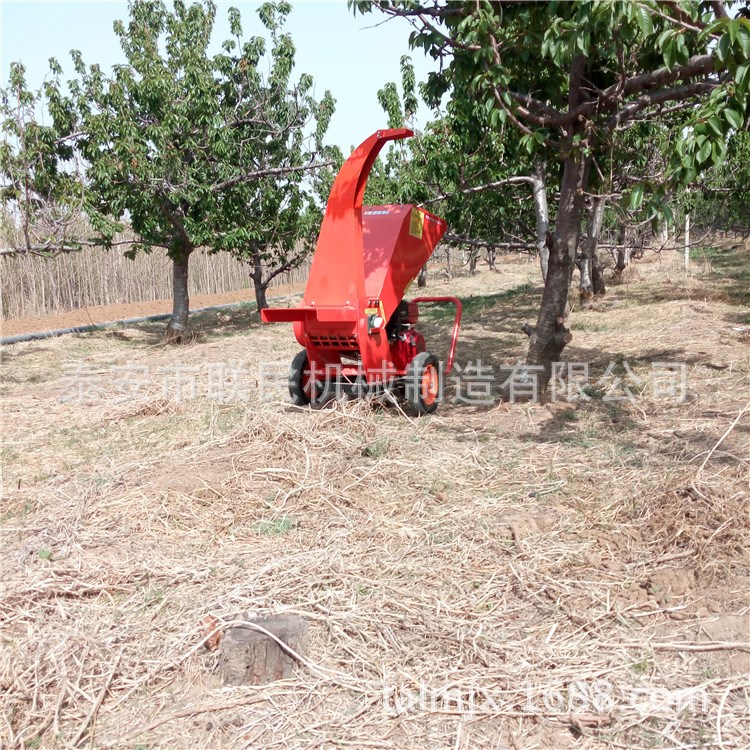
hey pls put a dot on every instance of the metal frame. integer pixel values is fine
(456, 324)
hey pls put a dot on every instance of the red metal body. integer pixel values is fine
(365, 258)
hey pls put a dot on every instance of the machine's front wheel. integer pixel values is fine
(423, 383)
(300, 381)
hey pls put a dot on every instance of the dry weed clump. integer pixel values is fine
(523, 576)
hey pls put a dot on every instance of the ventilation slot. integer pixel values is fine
(333, 342)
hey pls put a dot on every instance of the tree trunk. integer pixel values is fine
(541, 210)
(258, 284)
(473, 262)
(177, 328)
(662, 235)
(422, 278)
(550, 335)
(586, 285)
(597, 276)
(260, 296)
(622, 260)
(491, 255)
(588, 258)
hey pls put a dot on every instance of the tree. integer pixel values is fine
(270, 222)
(43, 191)
(568, 76)
(470, 174)
(161, 135)
(723, 198)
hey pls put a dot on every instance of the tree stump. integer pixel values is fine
(249, 657)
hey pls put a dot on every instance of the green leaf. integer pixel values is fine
(714, 123)
(667, 213)
(661, 40)
(682, 53)
(742, 77)
(636, 197)
(743, 40)
(732, 28)
(733, 117)
(670, 54)
(723, 48)
(704, 152)
(644, 19)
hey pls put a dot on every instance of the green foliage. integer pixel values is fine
(456, 152)
(625, 63)
(272, 220)
(642, 666)
(42, 189)
(182, 144)
(722, 199)
(181, 147)
(376, 449)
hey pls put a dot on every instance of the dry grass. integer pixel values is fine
(577, 570)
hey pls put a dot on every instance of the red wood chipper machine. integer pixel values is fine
(358, 332)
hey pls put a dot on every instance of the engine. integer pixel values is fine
(405, 340)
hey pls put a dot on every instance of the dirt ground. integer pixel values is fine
(570, 574)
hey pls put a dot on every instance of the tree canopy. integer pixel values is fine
(181, 147)
(569, 76)
(42, 182)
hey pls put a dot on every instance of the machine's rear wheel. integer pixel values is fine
(300, 382)
(423, 383)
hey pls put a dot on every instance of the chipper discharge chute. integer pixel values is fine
(357, 330)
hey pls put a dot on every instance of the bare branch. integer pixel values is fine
(52, 249)
(695, 66)
(249, 176)
(290, 265)
(681, 22)
(718, 8)
(460, 239)
(678, 93)
(521, 180)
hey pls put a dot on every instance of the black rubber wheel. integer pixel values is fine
(299, 374)
(423, 383)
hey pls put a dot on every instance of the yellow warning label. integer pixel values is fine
(416, 224)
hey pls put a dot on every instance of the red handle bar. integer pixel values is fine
(456, 323)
